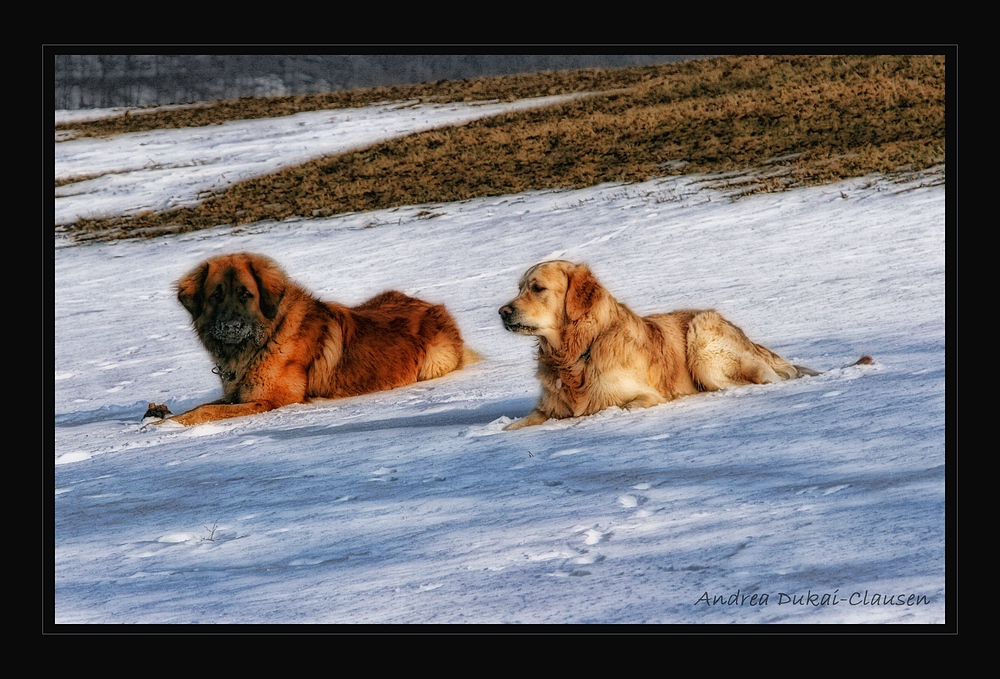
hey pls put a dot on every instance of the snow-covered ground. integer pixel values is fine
(163, 169)
(820, 500)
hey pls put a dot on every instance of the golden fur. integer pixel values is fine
(273, 343)
(594, 352)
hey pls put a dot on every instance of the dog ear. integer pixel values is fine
(270, 281)
(582, 292)
(191, 290)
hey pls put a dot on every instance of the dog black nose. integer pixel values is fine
(505, 311)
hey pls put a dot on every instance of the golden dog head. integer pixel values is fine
(552, 295)
(232, 298)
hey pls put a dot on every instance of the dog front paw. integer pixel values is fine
(159, 411)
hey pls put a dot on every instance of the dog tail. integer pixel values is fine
(469, 356)
(809, 372)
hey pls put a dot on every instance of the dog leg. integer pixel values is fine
(720, 355)
(644, 401)
(533, 418)
(210, 412)
(443, 346)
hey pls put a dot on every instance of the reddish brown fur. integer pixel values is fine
(275, 344)
(594, 352)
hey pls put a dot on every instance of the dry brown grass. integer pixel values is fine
(502, 88)
(783, 121)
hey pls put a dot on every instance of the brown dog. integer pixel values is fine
(274, 344)
(594, 352)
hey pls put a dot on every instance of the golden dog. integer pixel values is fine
(274, 344)
(594, 352)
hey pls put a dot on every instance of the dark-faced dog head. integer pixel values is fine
(233, 299)
(552, 295)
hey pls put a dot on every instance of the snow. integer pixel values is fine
(163, 169)
(820, 500)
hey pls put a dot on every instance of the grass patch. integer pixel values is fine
(790, 120)
(66, 181)
(500, 88)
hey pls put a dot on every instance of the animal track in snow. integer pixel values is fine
(383, 474)
(593, 536)
(629, 501)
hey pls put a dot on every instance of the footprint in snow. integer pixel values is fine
(593, 536)
(383, 474)
(494, 427)
(635, 501)
(588, 559)
(571, 567)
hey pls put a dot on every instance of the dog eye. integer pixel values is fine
(535, 287)
(217, 295)
(245, 295)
